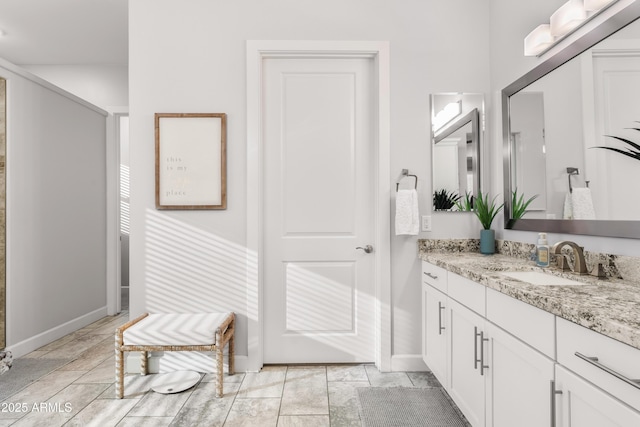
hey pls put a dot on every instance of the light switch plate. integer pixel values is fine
(426, 222)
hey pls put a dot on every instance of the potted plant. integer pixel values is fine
(486, 211)
(519, 205)
(444, 200)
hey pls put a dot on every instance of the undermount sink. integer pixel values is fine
(540, 278)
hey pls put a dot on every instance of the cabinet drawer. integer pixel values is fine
(615, 360)
(530, 324)
(434, 276)
(467, 292)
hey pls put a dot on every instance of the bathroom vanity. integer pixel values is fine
(522, 351)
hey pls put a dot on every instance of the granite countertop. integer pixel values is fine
(609, 306)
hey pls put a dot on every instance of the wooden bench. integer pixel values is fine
(176, 332)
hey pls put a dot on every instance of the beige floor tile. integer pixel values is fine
(304, 421)
(343, 405)
(75, 348)
(36, 354)
(387, 379)
(305, 392)
(160, 405)
(145, 422)
(92, 357)
(204, 409)
(346, 373)
(424, 379)
(260, 412)
(135, 387)
(102, 413)
(269, 382)
(105, 372)
(61, 407)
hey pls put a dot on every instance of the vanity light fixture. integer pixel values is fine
(596, 5)
(448, 113)
(570, 16)
(538, 40)
(567, 18)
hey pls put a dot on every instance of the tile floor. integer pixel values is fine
(308, 395)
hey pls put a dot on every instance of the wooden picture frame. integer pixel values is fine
(191, 165)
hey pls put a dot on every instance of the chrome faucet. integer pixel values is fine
(579, 265)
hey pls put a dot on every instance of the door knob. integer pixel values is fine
(368, 249)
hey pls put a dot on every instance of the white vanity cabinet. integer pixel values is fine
(468, 365)
(495, 378)
(434, 331)
(518, 389)
(579, 403)
(595, 379)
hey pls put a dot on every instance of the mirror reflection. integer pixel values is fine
(571, 137)
(456, 140)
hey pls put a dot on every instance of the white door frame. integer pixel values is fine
(257, 51)
(113, 209)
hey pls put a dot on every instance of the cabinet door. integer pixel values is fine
(518, 383)
(583, 405)
(466, 377)
(434, 332)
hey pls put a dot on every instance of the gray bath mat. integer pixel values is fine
(25, 371)
(406, 407)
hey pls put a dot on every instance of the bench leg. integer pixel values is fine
(219, 371)
(119, 370)
(232, 355)
(144, 370)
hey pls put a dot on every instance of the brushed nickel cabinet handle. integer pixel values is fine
(594, 361)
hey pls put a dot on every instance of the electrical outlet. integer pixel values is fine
(426, 222)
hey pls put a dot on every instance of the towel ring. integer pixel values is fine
(405, 173)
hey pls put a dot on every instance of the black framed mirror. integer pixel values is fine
(553, 118)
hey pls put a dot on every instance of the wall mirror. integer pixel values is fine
(456, 138)
(557, 118)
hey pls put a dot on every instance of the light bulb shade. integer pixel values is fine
(595, 5)
(448, 113)
(538, 40)
(567, 17)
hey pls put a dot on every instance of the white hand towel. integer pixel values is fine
(407, 222)
(582, 204)
(567, 212)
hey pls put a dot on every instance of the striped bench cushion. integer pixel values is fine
(175, 329)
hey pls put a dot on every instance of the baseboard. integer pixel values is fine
(408, 363)
(159, 362)
(44, 338)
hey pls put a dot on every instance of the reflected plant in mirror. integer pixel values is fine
(456, 139)
(519, 205)
(628, 152)
(584, 96)
(444, 200)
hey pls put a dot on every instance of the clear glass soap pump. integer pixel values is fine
(542, 251)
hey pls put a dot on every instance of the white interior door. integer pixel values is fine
(319, 206)
(616, 94)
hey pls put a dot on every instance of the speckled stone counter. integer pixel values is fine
(609, 306)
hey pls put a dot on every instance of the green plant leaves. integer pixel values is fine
(518, 205)
(486, 210)
(628, 152)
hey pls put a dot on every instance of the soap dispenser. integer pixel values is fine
(542, 251)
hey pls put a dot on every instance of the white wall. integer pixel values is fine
(102, 85)
(55, 211)
(511, 21)
(197, 64)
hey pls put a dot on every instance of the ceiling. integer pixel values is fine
(43, 32)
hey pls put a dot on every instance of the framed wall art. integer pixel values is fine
(191, 169)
